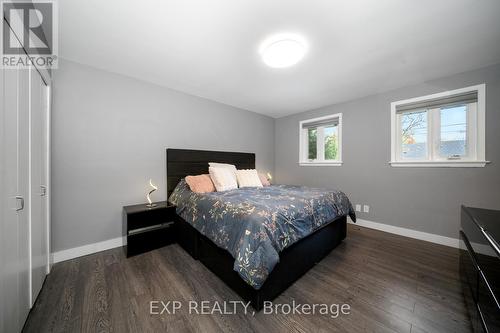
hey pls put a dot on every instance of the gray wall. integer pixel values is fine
(110, 133)
(423, 199)
(109, 137)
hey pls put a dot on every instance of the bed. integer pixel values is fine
(257, 240)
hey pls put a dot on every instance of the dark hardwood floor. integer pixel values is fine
(392, 283)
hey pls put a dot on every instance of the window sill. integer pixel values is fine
(439, 164)
(336, 163)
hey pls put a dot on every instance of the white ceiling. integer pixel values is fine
(210, 48)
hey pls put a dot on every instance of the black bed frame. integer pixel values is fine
(295, 260)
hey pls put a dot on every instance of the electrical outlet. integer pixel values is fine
(358, 207)
(366, 208)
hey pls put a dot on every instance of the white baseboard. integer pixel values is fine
(120, 241)
(433, 238)
(87, 249)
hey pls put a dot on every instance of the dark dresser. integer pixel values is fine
(480, 266)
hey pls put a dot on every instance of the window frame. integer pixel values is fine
(320, 150)
(475, 132)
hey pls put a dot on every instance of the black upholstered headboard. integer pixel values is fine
(185, 162)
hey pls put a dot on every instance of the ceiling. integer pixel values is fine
(210, 48)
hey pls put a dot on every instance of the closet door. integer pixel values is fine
(24, 229)
(38, 183)
(14, 242)
(23, 192)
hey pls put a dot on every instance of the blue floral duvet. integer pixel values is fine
(255, 224)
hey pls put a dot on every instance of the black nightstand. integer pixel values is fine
(148, 228)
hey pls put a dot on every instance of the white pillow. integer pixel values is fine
(227, 166)
(231, 167)
(248, 178)
(223, 178)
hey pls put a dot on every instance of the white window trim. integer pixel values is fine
(303, 161)
(478, 131)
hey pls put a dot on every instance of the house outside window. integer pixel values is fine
(440, 130)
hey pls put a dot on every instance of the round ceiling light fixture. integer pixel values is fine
(283, 50)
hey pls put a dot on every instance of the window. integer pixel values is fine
(440, 130)
(320, 141)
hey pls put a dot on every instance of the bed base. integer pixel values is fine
(295, 260)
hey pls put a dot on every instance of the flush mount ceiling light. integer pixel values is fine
(283, 50)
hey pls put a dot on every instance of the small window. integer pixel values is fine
(320, 141)
(445, 129)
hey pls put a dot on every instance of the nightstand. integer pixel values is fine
(148, 228)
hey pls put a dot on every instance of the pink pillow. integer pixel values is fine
(263, 180)
(200, 184)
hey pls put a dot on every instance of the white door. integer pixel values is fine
(38, 182)
(15, 199)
